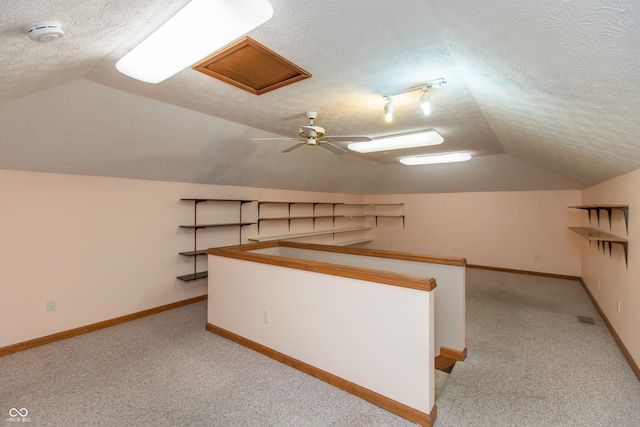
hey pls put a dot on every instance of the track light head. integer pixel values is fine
(388, 109)
(425, 102)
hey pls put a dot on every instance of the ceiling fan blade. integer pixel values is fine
(348, 138)
(275, 139)
(293, 147)
(332, 147)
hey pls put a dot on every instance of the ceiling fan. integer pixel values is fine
(314, 135)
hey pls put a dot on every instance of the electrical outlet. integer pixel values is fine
(453, 250)
(538, 256)
(619, 307)
(266, 316)
(52, 305)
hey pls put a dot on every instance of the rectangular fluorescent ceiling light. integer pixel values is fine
(398, 142)
(200, 28)
(432, 159)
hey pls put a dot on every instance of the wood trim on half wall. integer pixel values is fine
(371, 396)
(25, 345)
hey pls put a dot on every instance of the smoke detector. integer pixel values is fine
(44, 32)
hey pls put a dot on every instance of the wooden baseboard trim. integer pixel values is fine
(623, 348)
(391, 405)
(453, 354)
(14, 348)
(531, 273)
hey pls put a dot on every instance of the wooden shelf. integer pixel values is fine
(194, 276)
(351, 242)
(596, 235)
(299, 217)
(593, 235)
(194, 253)
(216, 200)
(198, 226)
(607, 208)
(306, 234)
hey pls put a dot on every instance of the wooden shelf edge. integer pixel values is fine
(594, 234)
(311, 233)
(231, 224)
(194, 276)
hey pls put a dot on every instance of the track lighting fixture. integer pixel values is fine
(388, 109)
(425, 97)
(425, 102)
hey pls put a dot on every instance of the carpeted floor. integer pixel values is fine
(530, 363)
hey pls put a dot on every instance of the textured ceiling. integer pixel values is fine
(544, 94)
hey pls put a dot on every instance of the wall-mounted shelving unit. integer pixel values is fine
(607, 208)
(311, 233)
(600, 237)
(321, 218)
(343, 224)
(386, 210)
(196, 252)
(342, 216)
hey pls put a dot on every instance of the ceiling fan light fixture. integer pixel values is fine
(398, 142)
(433, 159)
(201, 27)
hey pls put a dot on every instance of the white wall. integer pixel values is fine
(450, 292)
(101, 247)
(107, 247)
(607, 276)
(524, 230)
(374, 335)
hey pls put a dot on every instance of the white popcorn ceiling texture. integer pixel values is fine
(544, 94)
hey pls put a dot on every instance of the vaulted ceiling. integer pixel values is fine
(544, 94)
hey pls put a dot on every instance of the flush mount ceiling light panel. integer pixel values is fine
(398, 142)
(433, 159)
(44, 32)
(424, 101)
(200, 28)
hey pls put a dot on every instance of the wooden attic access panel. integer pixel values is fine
(251, 66)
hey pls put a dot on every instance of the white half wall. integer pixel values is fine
(449, 294)
(375, 335)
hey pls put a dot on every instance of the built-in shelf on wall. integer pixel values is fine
(309, 233)
(594, 235)
(197, 275)
(194, 276)
(387, 211)
(230, 224)
(607, 208)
